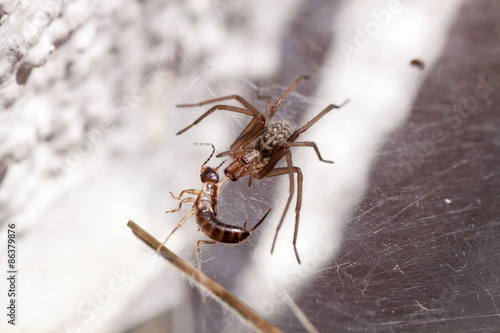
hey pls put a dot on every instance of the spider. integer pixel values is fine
(262, 144)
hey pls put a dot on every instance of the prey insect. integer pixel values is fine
(262, 144)
(205, 209)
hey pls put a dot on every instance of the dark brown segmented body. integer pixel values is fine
(206, 210)
(218, 231)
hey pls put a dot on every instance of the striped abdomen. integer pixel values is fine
(218, 231)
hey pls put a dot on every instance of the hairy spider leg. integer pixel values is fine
(252, 131)
(269, 100)
(251, 111)
(278, 102)
(290, 170)
(311, 122)
(305, 144)
(218, 107)
(299, 191)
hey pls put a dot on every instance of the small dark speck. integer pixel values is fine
(418, 63)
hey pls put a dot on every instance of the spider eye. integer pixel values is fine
(244, 159)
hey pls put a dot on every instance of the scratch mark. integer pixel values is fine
(401, 323)
(197, 74)
(423, 308)
(401, 211)
(301, 316)
(151, 35)
(398, 269)
(196, 79)
(366, 212)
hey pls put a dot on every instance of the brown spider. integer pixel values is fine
(261, 145)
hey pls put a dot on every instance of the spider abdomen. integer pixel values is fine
(277, 132)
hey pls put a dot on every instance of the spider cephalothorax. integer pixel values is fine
(262, 144)
(249, 161)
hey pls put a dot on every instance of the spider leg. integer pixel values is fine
(183, 201)
(250, 179)
(190, 191)
(251, 131)
(251, 112)
(285, 94)
(268, 107)
(290, 170)
(177, 227)
(203, 242)
(311, 122)
(225, 98)
(225, 153)
(304, 144)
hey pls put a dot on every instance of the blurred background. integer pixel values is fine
(400, 234)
